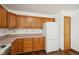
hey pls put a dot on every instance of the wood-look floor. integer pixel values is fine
(69, 52)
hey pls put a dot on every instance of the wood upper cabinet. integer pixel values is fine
(32, 22)
(51, 20)
(12, 20)
(3, 17)
(37, 22)
(38, 43)
(48, 19)
(22, 22)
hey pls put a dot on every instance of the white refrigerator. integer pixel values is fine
(51, 36)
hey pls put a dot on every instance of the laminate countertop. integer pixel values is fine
(10, 38)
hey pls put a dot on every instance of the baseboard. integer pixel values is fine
(61, 50)
(52, 52)
(74, 51)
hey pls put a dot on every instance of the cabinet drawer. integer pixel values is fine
(27, 42)
(27, 49)
(27, 45)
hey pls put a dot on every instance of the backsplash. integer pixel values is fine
(2, 32)
(20, 31)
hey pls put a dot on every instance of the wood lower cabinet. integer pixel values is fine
(19, 45)
(38, 43)
(41, 43)
(35, 44)
(27, 43)
(24, 45)
(14, 48)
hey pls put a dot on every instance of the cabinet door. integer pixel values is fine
(41, 43)
(37, 22)
(27, 43)
(35, 44)
(48, 19)
(22, 22)
(0, 17)
(19, 46)
(14, 48)
(12, 20)
(4, 18)
(51, 20)
(38, 43)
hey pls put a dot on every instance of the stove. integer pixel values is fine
(5, 49)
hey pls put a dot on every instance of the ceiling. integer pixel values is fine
(42, 8)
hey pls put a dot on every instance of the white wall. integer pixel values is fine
(64, 13)
(75, 30)
(59, 16)
(60, 19)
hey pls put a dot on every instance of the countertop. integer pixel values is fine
(8, 39)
